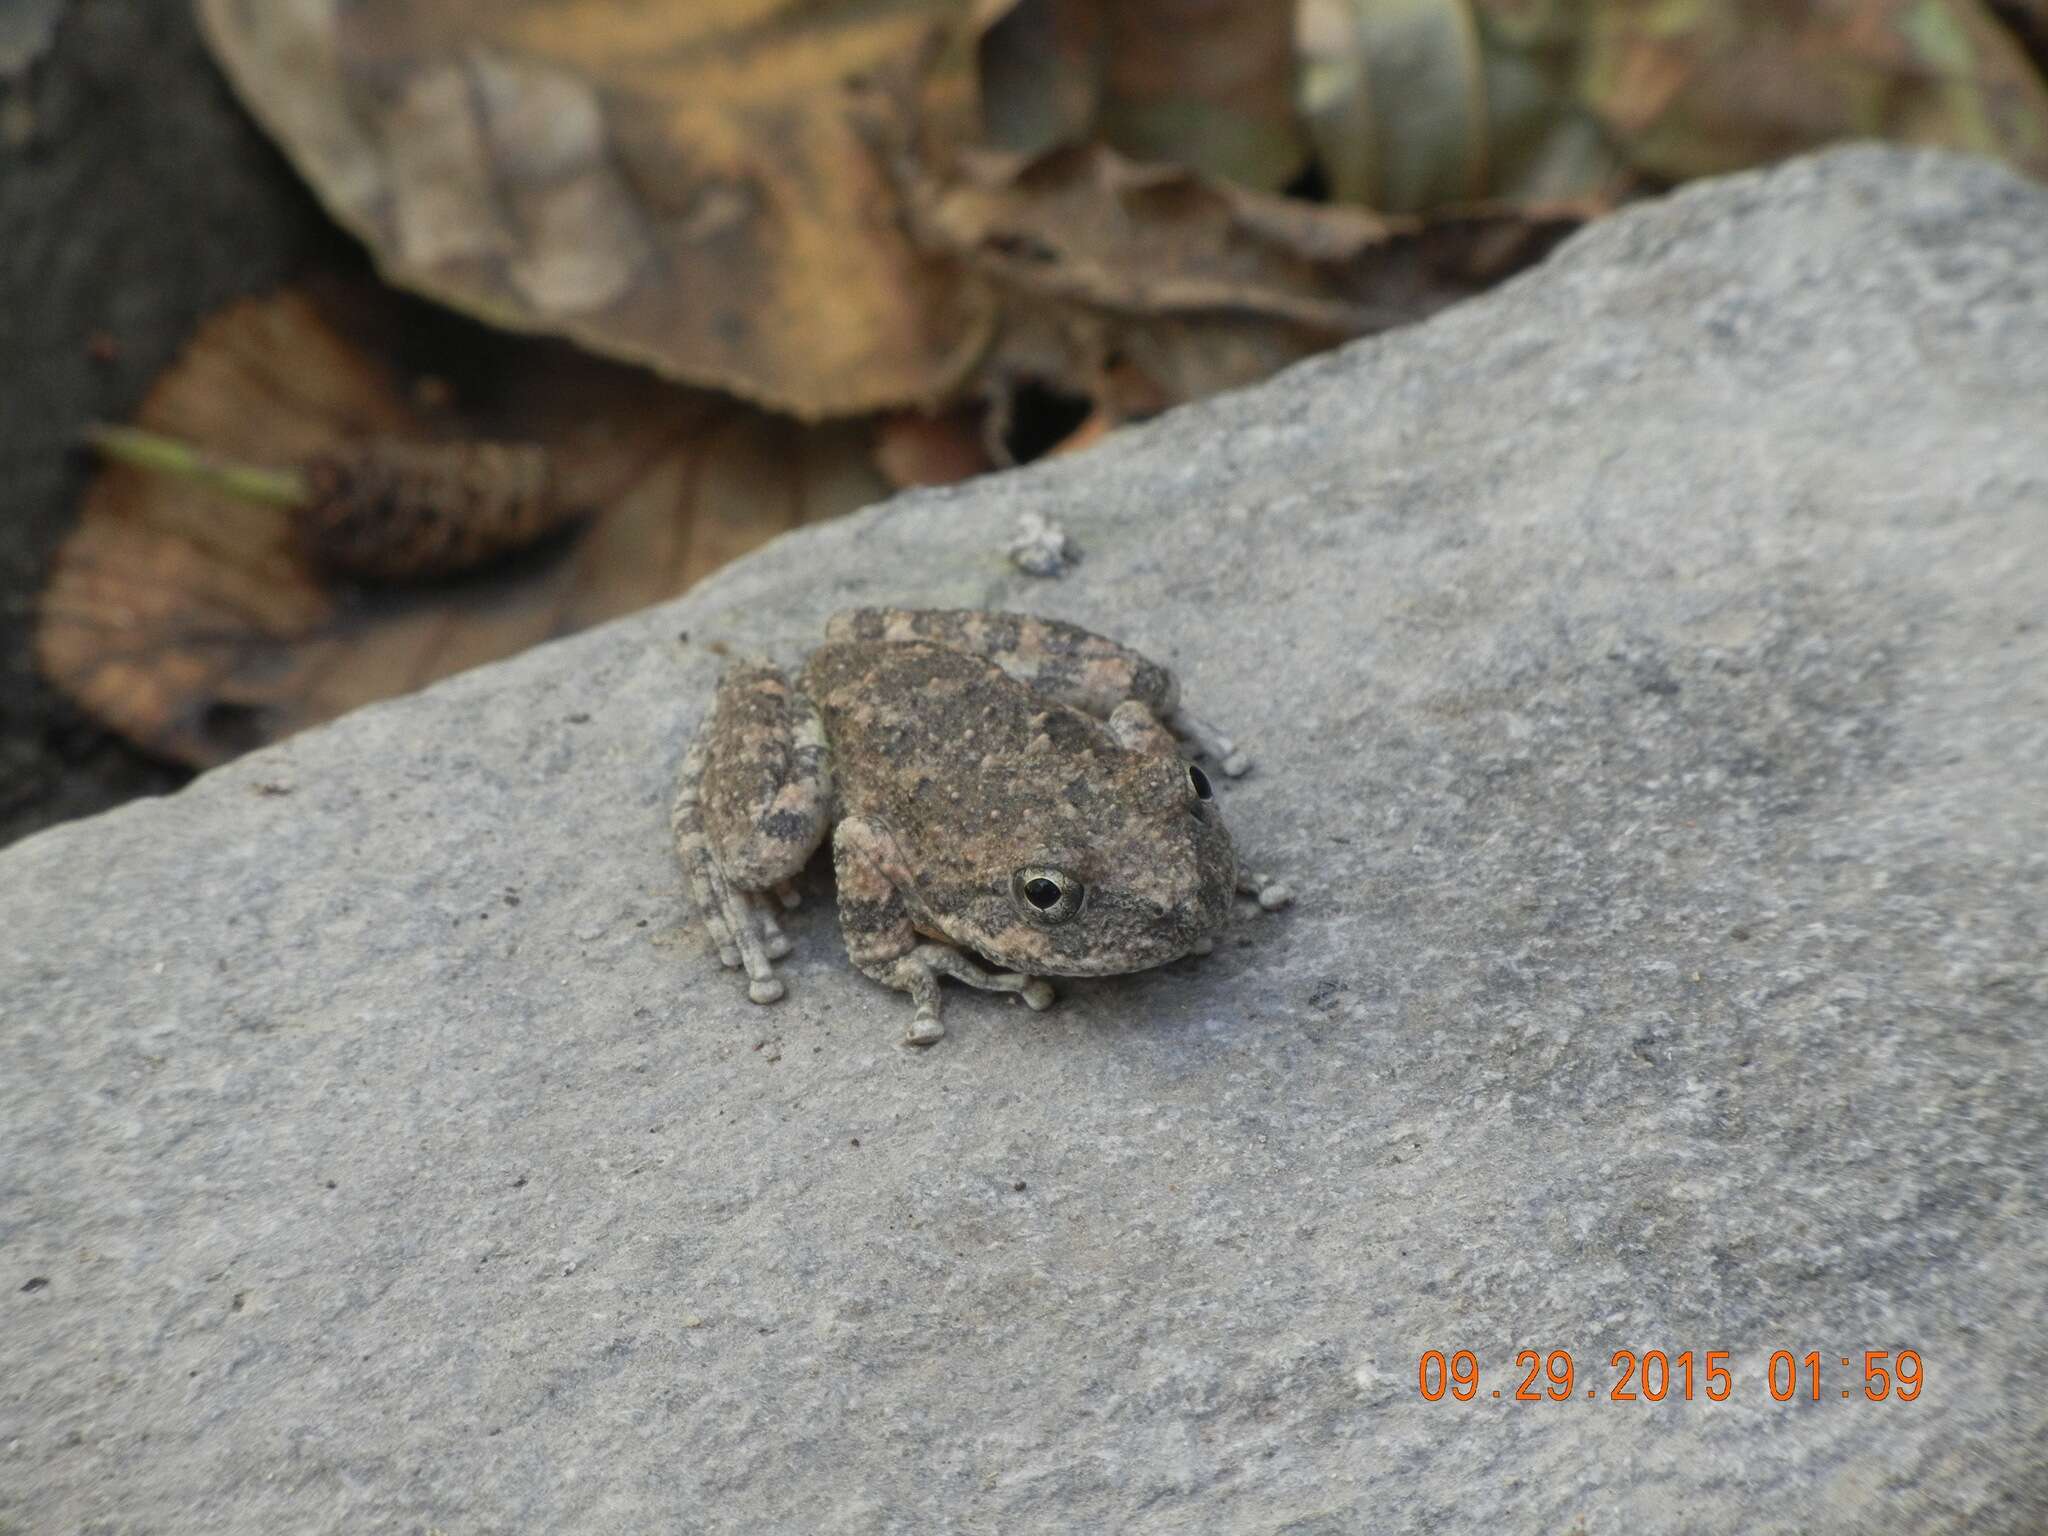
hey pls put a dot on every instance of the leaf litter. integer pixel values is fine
(200, 622)
(893, 231)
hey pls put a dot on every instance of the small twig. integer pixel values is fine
(158, 454)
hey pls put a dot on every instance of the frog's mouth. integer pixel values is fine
(1114, 933)
(1119, 964)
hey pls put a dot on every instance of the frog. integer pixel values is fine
(1007, 797)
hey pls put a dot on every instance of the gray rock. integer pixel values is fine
(1648, 671)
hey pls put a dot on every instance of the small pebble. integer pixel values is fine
(1040, 547)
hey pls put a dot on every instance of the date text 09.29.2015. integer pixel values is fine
(1654, 1376)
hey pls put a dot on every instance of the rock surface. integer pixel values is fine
(1648, 670)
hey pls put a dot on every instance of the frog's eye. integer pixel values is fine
(1198, 781)
(1046, 896)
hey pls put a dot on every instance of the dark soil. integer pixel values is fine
(135, 198)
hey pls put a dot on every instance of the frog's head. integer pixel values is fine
(1140, 871)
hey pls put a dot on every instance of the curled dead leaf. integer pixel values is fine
(199, 624)
(1148, 285)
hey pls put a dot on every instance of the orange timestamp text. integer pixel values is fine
(1655, 1375)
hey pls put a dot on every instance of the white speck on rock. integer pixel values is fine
(1041, 546)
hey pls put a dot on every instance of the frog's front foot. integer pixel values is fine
(925, 1028)
(918, 974)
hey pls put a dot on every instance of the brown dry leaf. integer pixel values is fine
(773, 197)
(192, 623)
(1695, 88)
(1146, 285)
(678, 185)
(1207, 84)
(913, 448)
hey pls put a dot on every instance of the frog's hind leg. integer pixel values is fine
(1076, 666)
(883, 944)
(731, 916)
(749, 811)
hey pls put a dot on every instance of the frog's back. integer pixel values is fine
(917, 728)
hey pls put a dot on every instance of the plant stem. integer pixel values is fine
(157, 454)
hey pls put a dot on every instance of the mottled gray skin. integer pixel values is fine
(994, 784)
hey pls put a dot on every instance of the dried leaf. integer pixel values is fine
(1692, 89)
(678, 185)
(382, 508)
(1416, 103)
(913, 448)
(1207, 84)
(196, 624)
(1149, 284)
(774, 198)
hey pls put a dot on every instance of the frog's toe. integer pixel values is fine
(1037, 994)
(774, 942)
(924, 1028)
(1203, 946)
(721, 940)
(789, 896)
(744, 931)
